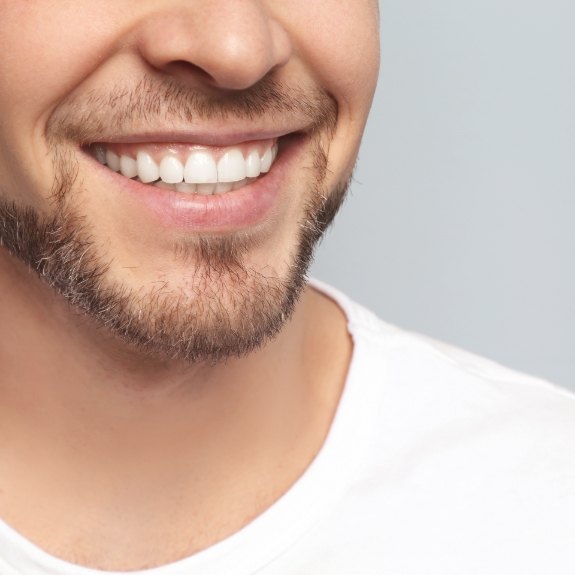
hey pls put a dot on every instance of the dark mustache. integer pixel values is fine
(157, 102)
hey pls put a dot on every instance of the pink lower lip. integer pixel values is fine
(230, 211)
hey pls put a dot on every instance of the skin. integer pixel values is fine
(150, 449)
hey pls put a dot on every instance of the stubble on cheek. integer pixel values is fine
(227, 308)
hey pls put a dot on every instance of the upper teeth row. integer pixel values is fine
(200, 167)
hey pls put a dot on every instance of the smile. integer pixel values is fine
(202, 185)
(189, 169)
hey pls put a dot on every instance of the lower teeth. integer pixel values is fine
(202, 189)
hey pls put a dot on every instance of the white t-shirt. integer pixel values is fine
(437, 463)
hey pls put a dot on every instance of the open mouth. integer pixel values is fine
(189, 169)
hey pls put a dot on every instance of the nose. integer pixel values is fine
(229, 44)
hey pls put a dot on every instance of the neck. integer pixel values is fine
(156, 439)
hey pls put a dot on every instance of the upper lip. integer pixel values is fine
(196, 137)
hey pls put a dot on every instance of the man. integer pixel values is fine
(174, 395)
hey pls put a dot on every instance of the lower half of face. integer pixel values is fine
(171, 173)
(142, 240)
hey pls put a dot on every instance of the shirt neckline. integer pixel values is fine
(287, 520)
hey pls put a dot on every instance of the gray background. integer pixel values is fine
(460, 223)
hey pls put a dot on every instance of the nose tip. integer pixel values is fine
(228, 44)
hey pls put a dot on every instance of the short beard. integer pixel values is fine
(228, 310)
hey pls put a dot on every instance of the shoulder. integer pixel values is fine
(472, 460)
(444, 391)
(440, 397)
(433, 366)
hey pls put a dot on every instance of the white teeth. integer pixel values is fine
(267, 160)
(253, 164)
(186, 188)
(200, 174)
(232, 166)
(113, 161)
(100, 154)
(148, 170)
(128, 167)
(206, 189)
(241, 184)
(201, 169)
(171, 170)
(223, 187)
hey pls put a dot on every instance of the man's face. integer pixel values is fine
(206, 93)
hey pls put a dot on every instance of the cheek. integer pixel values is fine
(47, 51)
(339, 41)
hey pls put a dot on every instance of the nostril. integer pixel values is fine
(183, 69)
